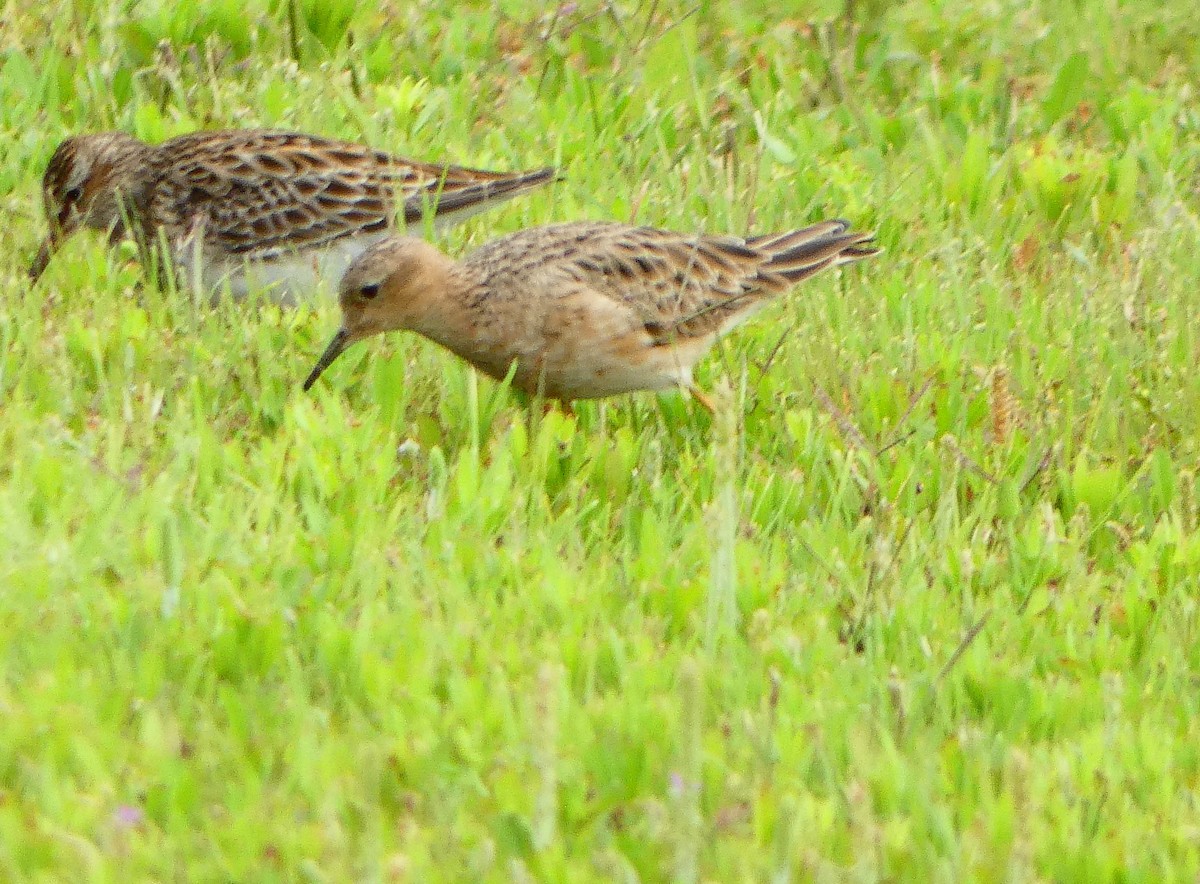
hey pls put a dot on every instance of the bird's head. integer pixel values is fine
(84, 185)
(388, 287)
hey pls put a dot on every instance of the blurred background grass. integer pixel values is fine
(400, 629)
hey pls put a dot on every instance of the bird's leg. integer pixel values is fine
(702, 399)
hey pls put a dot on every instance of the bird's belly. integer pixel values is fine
(290, 279)
(583, 372)
(579, 348)
(597, 381)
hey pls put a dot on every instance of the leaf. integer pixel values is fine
(513, 835)
(670, 58)
(773, 145)
(1067, 89)
(1125, 186)
(328, 20)
(1097, 488)
(17, 77)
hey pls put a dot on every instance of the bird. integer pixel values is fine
(255, 208)
(582, 310)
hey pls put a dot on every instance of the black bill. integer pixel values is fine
(38, 267)
(339, 343)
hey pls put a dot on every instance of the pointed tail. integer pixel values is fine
(799, 254)
(462, 193)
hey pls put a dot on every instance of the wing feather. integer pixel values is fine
(262, 193)
(677, 286)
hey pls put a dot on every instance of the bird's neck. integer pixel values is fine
(129, 180)
(449, 314)
(136, 179)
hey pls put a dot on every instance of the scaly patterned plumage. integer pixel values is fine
(585, 310)
(286, 206)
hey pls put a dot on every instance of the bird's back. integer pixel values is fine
(678, 286)
(261, 193)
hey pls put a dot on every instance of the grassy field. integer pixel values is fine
(920, 604)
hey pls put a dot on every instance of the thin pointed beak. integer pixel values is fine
(339, 343)
(42, 259)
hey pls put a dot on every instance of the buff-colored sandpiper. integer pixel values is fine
(255, 208)
(585, 310)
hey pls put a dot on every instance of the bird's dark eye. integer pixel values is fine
(74, 195)
(369, 291)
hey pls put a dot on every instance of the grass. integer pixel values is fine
(920, 606)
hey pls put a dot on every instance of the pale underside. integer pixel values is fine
(290, 278)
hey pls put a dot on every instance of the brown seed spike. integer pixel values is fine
(1001, 406)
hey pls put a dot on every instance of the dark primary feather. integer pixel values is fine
(453, 196)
